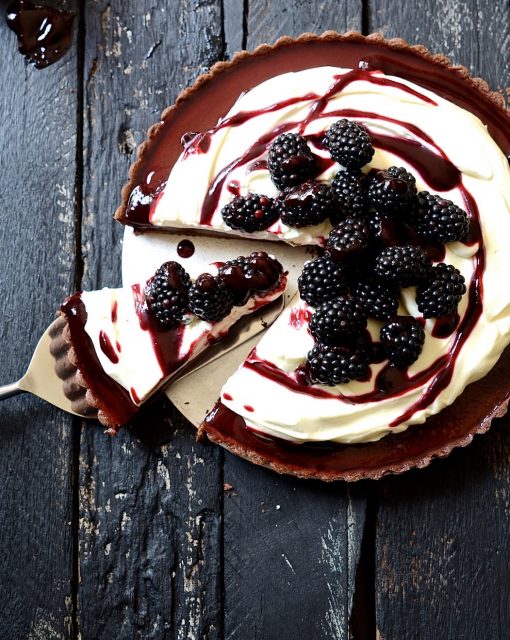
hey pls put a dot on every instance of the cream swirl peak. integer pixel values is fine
(450, 152)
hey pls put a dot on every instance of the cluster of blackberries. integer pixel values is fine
(170, 295)
(303, 201)
(346, 289)
(377, 247)
(344, 296)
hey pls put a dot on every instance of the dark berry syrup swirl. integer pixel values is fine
(390, 382)
(44, 34)
(441, 172)
(441, 175)
(433, 165)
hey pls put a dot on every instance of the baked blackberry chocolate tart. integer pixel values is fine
(396, 164)
(115, 348)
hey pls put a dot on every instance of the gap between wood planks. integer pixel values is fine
(363, 622)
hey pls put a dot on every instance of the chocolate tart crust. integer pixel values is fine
(473, 411)
(68, 368)
(76, 389)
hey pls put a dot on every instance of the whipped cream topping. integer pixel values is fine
(128, 350)
(393, 110)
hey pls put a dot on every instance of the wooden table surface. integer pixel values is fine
(127, 538)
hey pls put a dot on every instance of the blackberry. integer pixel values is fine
(290, 161)
(336, 365)
(440, 295)
(404, 266)
(210, 299)
(347, 240)
(250, 213)
(387, 231)
(350, 190)
(166, 294)
(336, 320)
(379, 301)
(310, 203)
(246, 275)
(392, 190)
(321, 280)
(349, 144)
(402, 340)
(438, 219)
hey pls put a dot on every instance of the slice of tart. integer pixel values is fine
(123, 345)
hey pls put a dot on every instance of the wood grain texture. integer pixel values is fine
(37, 237)
(150, 517)
(235, 15)
(291, 547)
(442, 543)
(291, 551)
(150, 526)
(270, 19)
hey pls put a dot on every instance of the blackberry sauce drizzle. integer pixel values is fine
(440, 174)
(166, 343)
(421, 155)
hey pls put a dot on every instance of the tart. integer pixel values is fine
(424, 117)
(115, 348)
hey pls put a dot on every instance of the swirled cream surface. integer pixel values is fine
(450, 152)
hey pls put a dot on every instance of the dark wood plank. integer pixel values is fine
(270, 19)
(291, 547)
(235, 15)
(37, 237)
(442, 534)
(291, 552)
(150, 517)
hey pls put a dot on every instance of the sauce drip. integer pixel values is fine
(165, 342)
(44, 33)
(185, 248)
(115, 307)
(107, 347)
